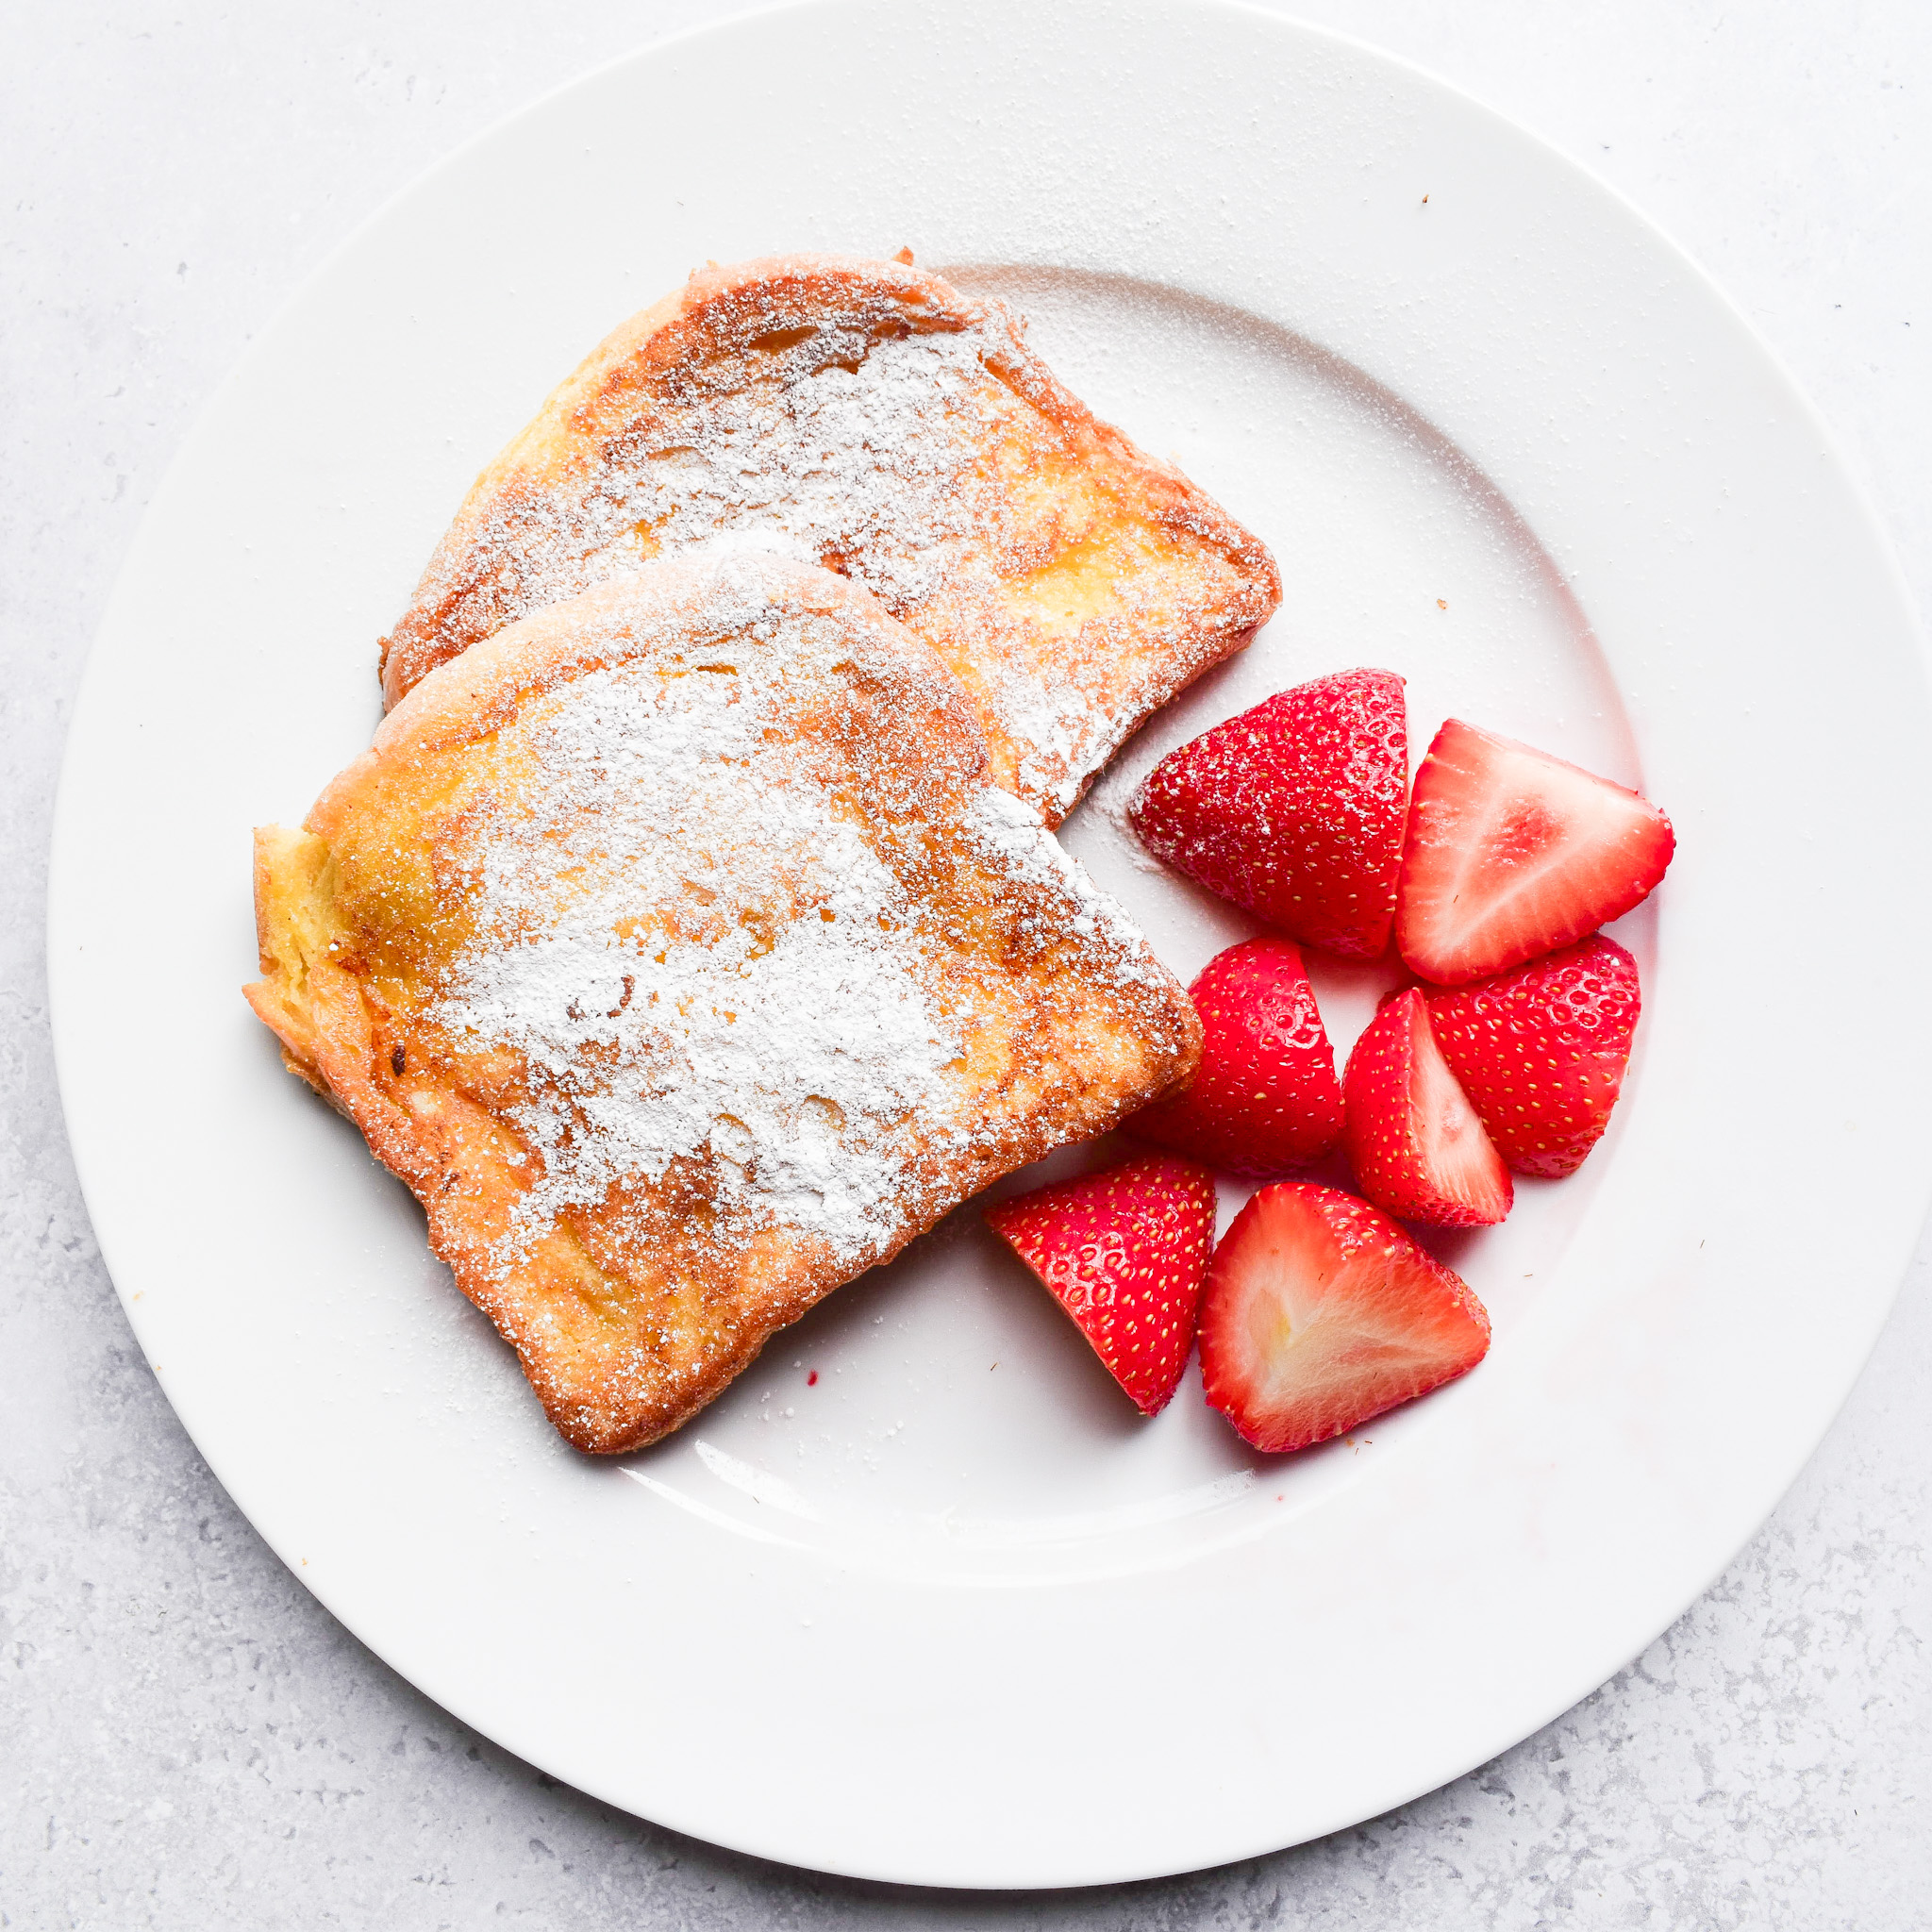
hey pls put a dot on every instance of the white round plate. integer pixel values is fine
(919, 1599)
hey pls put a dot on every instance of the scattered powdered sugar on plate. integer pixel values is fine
(690, 953)
(1111, 799)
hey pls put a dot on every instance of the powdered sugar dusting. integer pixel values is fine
(859, 453)
(693, 953)
(1008, 828)
(1062, 733)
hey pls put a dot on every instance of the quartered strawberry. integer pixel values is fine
(1293, 809)
(1540, 1052)
(1264, 1098)
(1320, 1313)
(1413, 1138)
(1511, 853)
(1124, 1253)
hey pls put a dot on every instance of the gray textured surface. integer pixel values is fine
(186, 1739)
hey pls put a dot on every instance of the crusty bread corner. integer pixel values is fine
(293, 930)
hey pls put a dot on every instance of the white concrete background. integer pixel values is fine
(187, 1739)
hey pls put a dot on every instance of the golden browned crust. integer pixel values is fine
(409, 936)
(1070, 582)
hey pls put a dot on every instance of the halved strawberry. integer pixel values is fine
(1511, 853)
(1265, 1097)
(1320, 1313)
(1414, 1141)
(1540, 1052)
(1124, 1253)
(1293, 809)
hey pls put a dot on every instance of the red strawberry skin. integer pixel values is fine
(1511, 853)
(1416, 1143)
(1320, 1313)
(1125, 1252)
(1264, 1098)
(1541, 1051)
(1293, 809)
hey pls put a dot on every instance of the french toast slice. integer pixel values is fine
(869, 417)
(676, 948)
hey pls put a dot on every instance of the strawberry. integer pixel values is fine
(1416, 1144)
(1540, 1052)
(1511, 853)
(1320, 1313)
(1265, 1097)
(1293, 809)
(1124, 1253)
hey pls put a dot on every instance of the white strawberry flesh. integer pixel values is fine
(1320, 1313)
(1511, 853)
